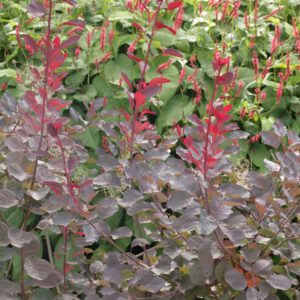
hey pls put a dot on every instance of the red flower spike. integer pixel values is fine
(182, 75)
(164, 66)
(137, 26)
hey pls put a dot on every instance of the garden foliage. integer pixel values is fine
(149, 149)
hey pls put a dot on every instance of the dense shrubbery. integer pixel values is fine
(150, 150)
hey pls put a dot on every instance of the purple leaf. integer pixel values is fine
(279, 128)
(19, 238)
(151, 91)
(7, 199)
(236, 279)
(270, 138)
(36, 9)
(70, 42)
(121, 232)
(54, 278)
(225, 78)
(279, 282)
(37, 268)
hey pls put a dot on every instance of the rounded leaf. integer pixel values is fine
(236, 279)
(279, 282)
(37, 268)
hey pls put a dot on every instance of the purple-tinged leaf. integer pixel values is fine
(280, 282)
(62, 218)
(14, 144)
(262, 267)
(139, 242)
(37, 268)
(70, 42)
(96, 267)
(55, 187)
(113, 275)
(30, 44)
(8, 198)
(235, 235)
(73, 162)
(271, 166)
(53, 203)
(130, 197)
(253, 294)
(179, 200)
(19, 238)
(54, 278)
(279, 128)
(39, 194)
(270, 138)
(138, 208)
(52, 130)
(90, 234)
(17, 169)
(36, 8)
(236, 279)
(148, 281)
(172, 52)
(121, 232)
(107, 179)
(225, 78)
(9, 287)
(33, 248)
(251, 252)
(108, 162)
(201, 269)
(151, 90)
(107, 208)
(208, 224)
(235, 191)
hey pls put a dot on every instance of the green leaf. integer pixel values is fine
(169, 89)
(258, 153)
(90, 137)
(13, 216)
(267, 123)
(112, 71)
(8, 73)
(44, 294)
(175, 109)
(102, 87)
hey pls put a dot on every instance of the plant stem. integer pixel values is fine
(65, 271)
(45, 99)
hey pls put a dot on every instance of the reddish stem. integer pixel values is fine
(140, 85)
(210, 106)
(67, 174)
(65, 271)
(45, 99)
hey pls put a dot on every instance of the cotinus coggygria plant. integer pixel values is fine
(136, 199)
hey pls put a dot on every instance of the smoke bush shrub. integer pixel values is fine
(150, 214)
